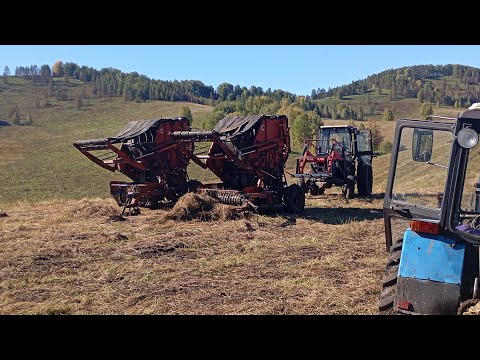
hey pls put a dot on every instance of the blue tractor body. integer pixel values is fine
(434, 183)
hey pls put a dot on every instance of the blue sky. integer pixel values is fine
(295, 68)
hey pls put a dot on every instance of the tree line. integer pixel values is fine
(416, 82)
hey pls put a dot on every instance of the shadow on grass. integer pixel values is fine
(375, 196)
(337, 216)
(332, 216)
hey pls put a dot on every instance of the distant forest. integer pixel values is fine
(452, 85)
(416, 82)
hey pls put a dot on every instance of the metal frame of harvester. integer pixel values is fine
(146, 152)
(247, 153)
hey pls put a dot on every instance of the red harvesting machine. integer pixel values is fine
(147, 153)
(248, 154)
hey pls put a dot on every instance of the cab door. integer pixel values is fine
(364, 147)
(418, 176)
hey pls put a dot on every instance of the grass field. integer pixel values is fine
(65, 257)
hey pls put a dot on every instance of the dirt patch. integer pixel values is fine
(288, 222)
(158, 250)
(120, 237)
(194, 206)
(116, 218)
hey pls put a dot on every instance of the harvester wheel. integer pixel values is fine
(193, 185)
(303, 185)
(365, 180)
(389, 286)
(294, 199)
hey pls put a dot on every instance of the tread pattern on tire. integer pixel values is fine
(389, 284)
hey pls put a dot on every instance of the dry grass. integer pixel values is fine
(195, 206)
(473, 310)
(66, 257)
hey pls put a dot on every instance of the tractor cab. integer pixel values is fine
(340, 156)
(336, 138)
(432, 216)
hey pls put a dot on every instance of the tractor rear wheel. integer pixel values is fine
(365, 180)
(389, 285)
(294, 199)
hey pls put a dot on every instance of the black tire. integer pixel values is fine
(193, 185)
(303, 185)
(348, 190)
(389, 285)
(294, 199)
(365, 180)
(314, 189)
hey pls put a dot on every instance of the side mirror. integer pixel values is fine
(422, 143)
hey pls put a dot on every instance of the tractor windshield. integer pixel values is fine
(421, 181)
(340, 135)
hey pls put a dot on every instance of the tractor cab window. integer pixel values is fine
(339, 136)
(421, 167)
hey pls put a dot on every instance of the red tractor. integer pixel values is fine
(248, 154)
(147, 153)
(341, 156)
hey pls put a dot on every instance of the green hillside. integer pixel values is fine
(39, 162)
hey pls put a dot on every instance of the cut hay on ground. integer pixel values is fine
(90, 208)
(201, 207)
(331, 260)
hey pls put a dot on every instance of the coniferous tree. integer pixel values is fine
(185, 111)
(15, 119)
(79, 102)
(45, 74)
(388, 115)
(425, 110)
(46, 100)
(29, 119)
(12, 110)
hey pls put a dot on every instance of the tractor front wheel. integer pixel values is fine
(294, 199)
(304, 185)
(389, 285)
